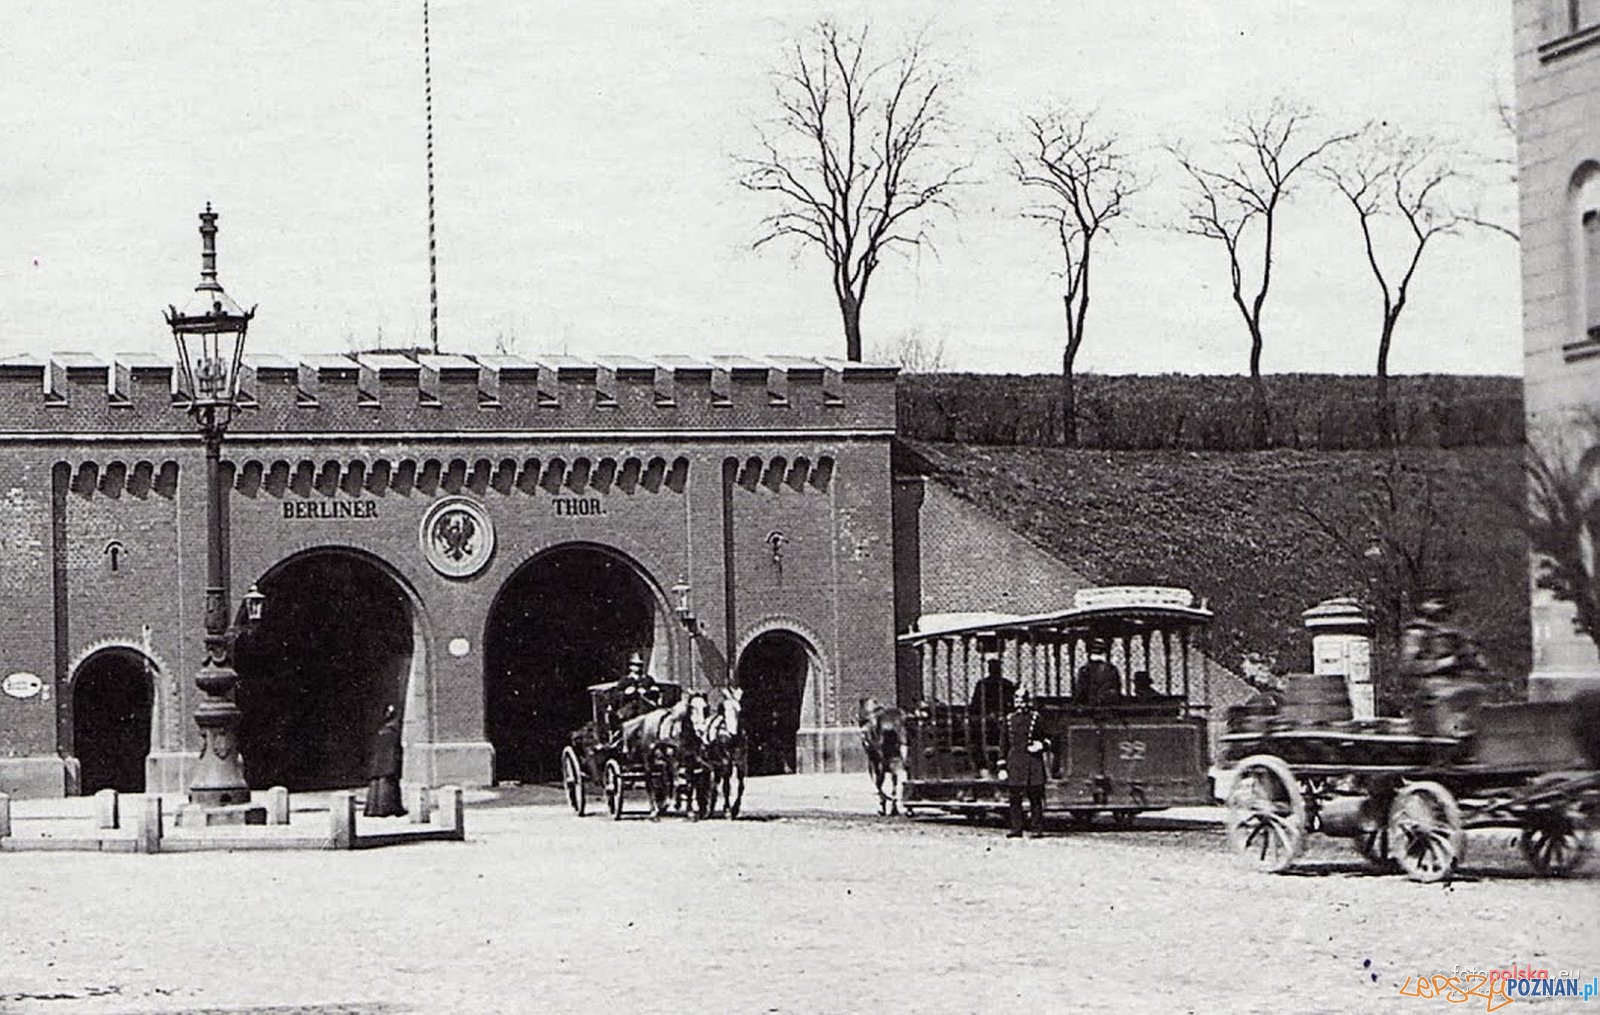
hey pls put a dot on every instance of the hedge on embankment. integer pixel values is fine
(1210, 413)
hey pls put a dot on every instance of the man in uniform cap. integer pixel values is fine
(1098, 679)
(1022, 744)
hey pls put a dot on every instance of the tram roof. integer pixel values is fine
(1111, 612)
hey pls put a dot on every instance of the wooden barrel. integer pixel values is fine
(1316, 697)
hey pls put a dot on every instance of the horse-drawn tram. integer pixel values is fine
(1406, 790)
(1118, 680)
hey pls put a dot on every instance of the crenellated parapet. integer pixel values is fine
(403, 393)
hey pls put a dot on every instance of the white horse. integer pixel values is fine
(725, 752)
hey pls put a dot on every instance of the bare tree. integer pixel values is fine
(1501, 166)
(1389, 177)
(1564, 525)
(1083, 175)
(1259, 157)
(913, 352)
(1388, 533)
(852, 158)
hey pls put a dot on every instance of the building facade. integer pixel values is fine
(1557, 45)
(472, 540)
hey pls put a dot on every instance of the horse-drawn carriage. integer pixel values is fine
(684, 754)
(1406, 790)
(1134, 740)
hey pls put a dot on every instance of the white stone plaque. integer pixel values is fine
(22, 685)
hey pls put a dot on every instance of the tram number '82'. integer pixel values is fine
(1130, 750)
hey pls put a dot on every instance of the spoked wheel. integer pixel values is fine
(612, 784)
(572, 781)
(1266, 813)
(1425, 831)
(1553, 845)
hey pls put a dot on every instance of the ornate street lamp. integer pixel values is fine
(209, 333)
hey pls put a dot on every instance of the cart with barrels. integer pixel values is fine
(1405, 791)
(597, 758)
(1140, 745)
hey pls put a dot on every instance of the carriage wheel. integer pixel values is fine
(1123, 819)
(1425, 831)
(1553, 845)
(612, 784)
(572, 781)
(1081, 818)
(1266, 813)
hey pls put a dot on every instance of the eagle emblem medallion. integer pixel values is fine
(457, 537)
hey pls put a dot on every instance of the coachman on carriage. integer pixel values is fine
(650, 735)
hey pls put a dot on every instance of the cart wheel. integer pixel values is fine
(1081, 818)
(1373, 844)
(572, 781)
(1266, 813)
(612, 783)
(1425, 831)
(1553, 845)
(1123, 819)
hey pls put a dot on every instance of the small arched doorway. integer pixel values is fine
(333, 648)
(774, 670)
(568, 618)
(112, 695)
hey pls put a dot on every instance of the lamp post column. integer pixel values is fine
(219, 773)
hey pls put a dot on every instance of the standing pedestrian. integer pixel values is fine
(383, 772)
(1023, 745)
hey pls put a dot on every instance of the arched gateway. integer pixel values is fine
(567, 618)
(776, 672)
(112, 698)
(335, 646)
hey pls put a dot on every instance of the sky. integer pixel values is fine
(586, 168)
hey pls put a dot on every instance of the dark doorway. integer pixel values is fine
(567, 619)
(332, 649)
(111, 700)
(772, 671)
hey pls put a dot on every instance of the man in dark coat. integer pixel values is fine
(1433, 646)
(994, 695)
(1023, 745)
(1438, 661)
(383, 772)
(637, 691)
(1097, 680)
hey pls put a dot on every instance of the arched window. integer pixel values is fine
(1584, 213)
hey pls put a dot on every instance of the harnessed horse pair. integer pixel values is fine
(690, 752)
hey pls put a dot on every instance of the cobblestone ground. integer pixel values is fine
(805, 912)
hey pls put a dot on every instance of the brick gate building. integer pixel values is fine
(472, 540)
